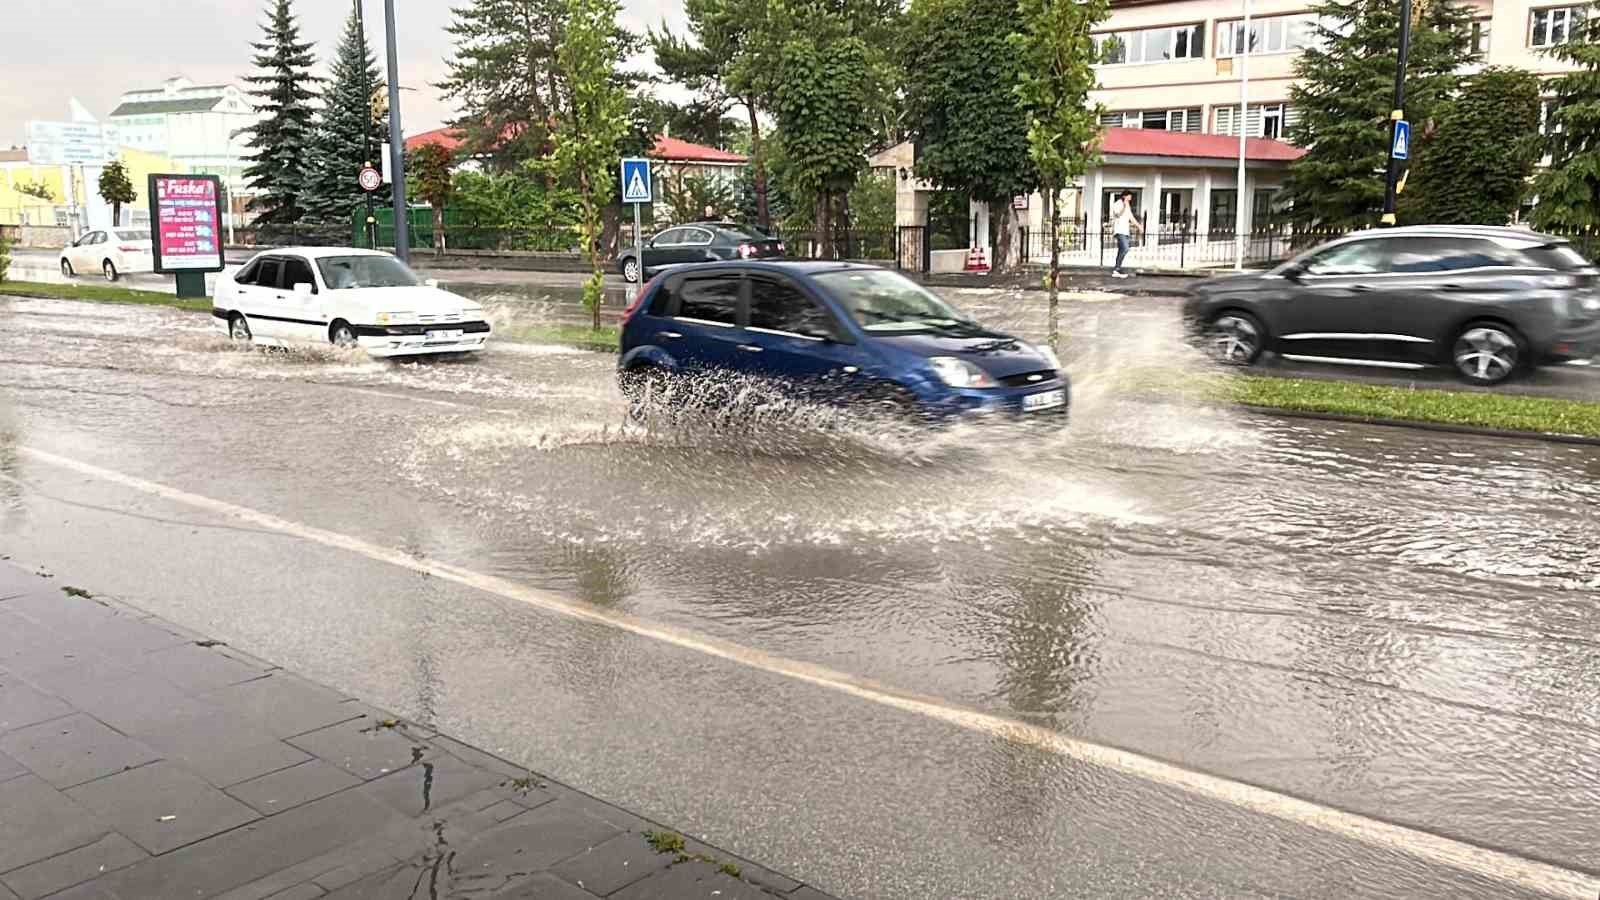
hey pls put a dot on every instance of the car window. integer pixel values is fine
(696, 236)
(1559, 256)
(247, 275)
(713, 299)
(745, 233)
(1354, 258)
(1415, 255)
(885, 301)
(132, 235)
(297, 271)
(365, 271)
(267, 276)
(670, 237)
(780, 305)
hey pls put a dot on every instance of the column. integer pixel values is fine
(1202, 224)
(1152, 231)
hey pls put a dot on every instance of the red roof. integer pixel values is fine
(448, 138)
(670, 149)
(1155, 142)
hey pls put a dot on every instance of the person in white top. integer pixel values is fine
(1123, 224)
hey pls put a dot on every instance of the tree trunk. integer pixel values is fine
(610, 229)
(824, 223)
(1004, 247)
(759, 166)
(438, 229)
(1055, 269)
(116, 215)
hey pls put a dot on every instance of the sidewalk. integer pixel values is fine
(138, 760)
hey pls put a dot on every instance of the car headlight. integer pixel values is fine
(391, 318)
(958, 373)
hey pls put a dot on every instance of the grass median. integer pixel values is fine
(102, 293)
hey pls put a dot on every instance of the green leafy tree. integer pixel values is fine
(281, 141)
(1056, 54)
(962, 105)
(430, 168)
(872, 202)
(1344, 92)
(504, 78)
(1484, 151)
(116, 189)
(596, 123)
(823, 105)
(513, 211)
(687, 197)
(348, 134)
(1569, 190)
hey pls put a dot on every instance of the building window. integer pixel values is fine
(1269, 34)
(1225, 210)
(1478, 39)
(1150, 45)
(1161, 119)
(1272, 122)
(1554, 26)
(1269, 120)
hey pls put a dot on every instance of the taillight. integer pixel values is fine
(638, 299)
(130, 248)
(746, 251)
(782, 248)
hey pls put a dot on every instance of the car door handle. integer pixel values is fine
(1360, 289)
(669, 335)
(750, 348)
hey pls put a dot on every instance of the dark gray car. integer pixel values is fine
(698, 242)
(1488, 302)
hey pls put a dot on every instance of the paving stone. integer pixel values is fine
(15, 582)
(749, 871)
(162, 807)
(91, 890)
(93, 625)
(474, 756)
(22, 704)
(10, 768)
(73, 750)
(131, 702)
(27, 647)
(5, 893)
(544, 887)
(37, 821)
(283, 704)
(805, 892)
(532, 841)
(504, 810)
(199, 669)
(224, 748)
(692, 880)
(359, 867)
(362, 747)
(291, 787)
(255, 851)
(390, 884)
(429, 785)
(74, 867)
(613, 865)
(599, 809)
(308, 891)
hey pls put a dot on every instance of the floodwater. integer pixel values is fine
(1398, 623)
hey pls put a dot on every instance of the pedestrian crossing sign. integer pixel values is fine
(1402, 139)
(636, 181)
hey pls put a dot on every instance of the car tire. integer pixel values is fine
(630, 270)
(66, 270)
(109, 269)
(341, 335)
(1235, 338)
(1487, 353)
(239, 329)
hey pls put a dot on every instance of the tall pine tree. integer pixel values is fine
(1344, 92)
(350, 132)
(284, 88)
(1569, 190)
(505, 78)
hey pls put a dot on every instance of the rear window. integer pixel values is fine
(746, 233)
(710, 300)
(1560, 256)
(267, 275)
(134, 235)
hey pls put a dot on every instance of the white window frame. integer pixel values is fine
(1567, 15)
(1256, 115)
(1137, 37)
(1230, 32)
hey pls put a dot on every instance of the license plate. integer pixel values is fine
(1045, 400)
(454, 335)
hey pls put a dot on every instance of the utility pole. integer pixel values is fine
(1391, 190)
(1243, 120)
(371, 230)
(397, 145)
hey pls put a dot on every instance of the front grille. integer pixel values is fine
(1029, 379)
(443, 317)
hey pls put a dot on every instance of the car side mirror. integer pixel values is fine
(1294, 273)
(304, 288)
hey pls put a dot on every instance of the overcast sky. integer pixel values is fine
(104, 47)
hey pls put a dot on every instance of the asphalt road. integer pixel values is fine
(1168, 652)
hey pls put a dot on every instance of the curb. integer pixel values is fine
(1441, 427)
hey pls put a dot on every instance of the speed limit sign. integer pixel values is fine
(370, 179)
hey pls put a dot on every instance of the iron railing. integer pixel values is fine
(1173, 245)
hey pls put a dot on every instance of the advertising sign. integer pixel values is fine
(186, 223)
(71, 143)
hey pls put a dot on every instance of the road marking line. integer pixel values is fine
(1498, 865)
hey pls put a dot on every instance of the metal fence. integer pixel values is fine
(876, 244)
(1171, 245)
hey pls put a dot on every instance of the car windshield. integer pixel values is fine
(133, 235)
(880, 300)
(342, 272)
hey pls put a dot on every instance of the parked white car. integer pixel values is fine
(345, 297)
(112, 252)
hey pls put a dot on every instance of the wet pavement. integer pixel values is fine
(1395, 626)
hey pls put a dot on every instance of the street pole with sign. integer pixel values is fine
(371, 231)
(397, 144)
(1400, 130)
(636, 191)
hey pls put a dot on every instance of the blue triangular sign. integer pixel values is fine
(1402, 139)
(636, 189)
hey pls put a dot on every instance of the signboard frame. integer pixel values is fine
(639, 168)
(152, 197)
(362, 175)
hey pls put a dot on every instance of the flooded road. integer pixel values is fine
(1399, 625)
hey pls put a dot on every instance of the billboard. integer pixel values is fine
(72, 143)
(186, 223)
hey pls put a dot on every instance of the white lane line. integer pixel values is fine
(1507, 868)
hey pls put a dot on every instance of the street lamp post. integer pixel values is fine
(1391, 191)
(397, 148)
(1243, 50)
(371, 229)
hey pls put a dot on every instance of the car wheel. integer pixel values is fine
(630, 270)
(1487, 353)
(1235, 338)
(341, 335)
(238, 328)
(109, 268)
(66, 270)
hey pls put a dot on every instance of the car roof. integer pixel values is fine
(789, 266)
(1492, 232)
(323, 252)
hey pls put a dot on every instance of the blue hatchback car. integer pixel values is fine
(852, 333)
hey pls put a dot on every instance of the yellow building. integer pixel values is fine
(73, 191)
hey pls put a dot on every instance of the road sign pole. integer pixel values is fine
(638, 241)
(397, 142)
(1390, 191)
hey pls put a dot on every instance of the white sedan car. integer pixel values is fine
(345, 297)
(113, 252)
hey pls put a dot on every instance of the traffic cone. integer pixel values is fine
(977, 261)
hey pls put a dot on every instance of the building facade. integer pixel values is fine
(203, 127)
